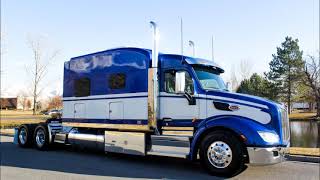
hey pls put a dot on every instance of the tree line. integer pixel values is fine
(291, 78)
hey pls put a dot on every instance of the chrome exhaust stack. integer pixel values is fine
(153, 87)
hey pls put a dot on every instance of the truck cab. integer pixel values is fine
(125, 100)
(205, 106)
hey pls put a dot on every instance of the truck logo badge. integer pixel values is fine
(234, 107)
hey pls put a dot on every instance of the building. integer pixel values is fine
(304, 106)
(9, 103)
(17, 103)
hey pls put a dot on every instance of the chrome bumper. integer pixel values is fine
(265, 156)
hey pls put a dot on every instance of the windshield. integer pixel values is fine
(209, 78)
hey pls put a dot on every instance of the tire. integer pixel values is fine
(221, 154)
(41, 137)
(25, 136)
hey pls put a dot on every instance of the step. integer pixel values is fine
(171, 146)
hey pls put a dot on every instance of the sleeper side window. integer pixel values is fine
(82, 87)
(117, 81)
(170, 81)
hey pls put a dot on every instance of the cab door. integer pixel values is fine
(177, 113)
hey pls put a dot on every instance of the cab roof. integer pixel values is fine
(148, 52)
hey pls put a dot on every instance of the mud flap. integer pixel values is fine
(15, 137)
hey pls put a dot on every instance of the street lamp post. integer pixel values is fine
(212, 52)
(191, 44)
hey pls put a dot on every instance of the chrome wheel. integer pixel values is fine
(40, 137)
(219, 154)
(23, 136)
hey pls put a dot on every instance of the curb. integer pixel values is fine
(6, 134)
(301, 158)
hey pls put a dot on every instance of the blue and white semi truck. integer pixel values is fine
(137, 101)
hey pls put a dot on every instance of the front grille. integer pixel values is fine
(285, 126)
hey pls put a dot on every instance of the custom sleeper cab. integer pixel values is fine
(135, 101)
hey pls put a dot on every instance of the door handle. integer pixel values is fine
(167, 119)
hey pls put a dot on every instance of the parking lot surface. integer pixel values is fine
(65, 163)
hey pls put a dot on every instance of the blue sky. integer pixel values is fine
(243, 30)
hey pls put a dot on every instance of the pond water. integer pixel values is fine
(305, 134)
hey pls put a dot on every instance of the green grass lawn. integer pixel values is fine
(11, 118)
(302, 115)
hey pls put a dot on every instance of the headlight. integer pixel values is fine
(269, 136)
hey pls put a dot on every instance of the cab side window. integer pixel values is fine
(81, 87)
(117, 81)
(170, 81)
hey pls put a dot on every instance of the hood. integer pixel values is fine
(245, 98)
(261, 110)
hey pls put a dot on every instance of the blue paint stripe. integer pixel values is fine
(127, 97)
(107, 121)
(176, 122)
(56, 126)
(219, 100)
(172, 96)
(226, 101)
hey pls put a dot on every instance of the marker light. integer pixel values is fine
(269, 136)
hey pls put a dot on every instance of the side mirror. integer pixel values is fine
(180, 82)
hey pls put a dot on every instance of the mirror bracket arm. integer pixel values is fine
(190, 98)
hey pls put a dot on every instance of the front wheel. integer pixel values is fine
(221, 153)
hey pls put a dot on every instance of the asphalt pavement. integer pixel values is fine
(65, 163)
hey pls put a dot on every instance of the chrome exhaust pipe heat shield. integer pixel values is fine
(153, 88)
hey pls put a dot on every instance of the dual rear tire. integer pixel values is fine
(37, 135)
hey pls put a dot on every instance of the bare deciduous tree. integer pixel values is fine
(234, 80)
(55, 102)
(22, 99)
(245, 69)
(42, 58)
(312, 79)
(242, 72)
(2, 51)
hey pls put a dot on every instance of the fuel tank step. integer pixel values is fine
(171, 146)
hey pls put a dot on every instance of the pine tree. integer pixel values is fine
(258, 86)
(286, 68)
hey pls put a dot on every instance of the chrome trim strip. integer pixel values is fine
(109, 126)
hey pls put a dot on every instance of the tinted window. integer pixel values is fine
(170, 81)
(82, 87)
(209, 78)
(117, 81)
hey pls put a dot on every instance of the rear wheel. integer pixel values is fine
(41, 137)
(221, 154)
(24, 136)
